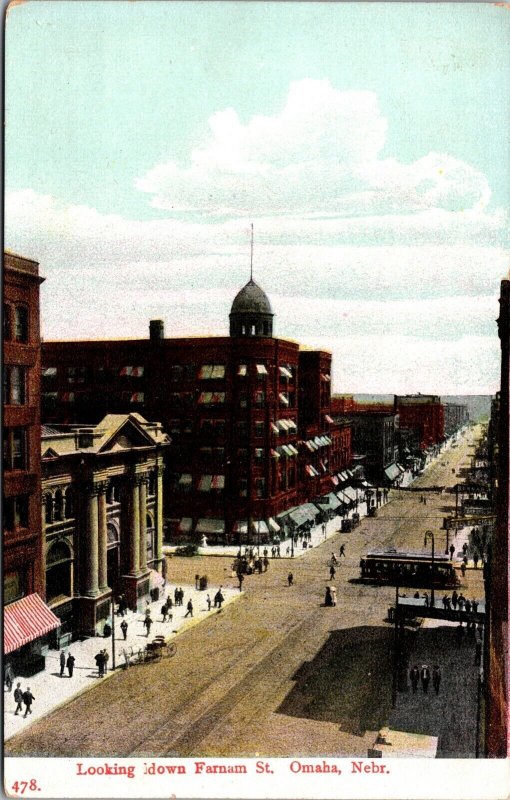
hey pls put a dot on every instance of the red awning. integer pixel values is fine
(26, 620)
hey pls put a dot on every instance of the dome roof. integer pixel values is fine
(251, 300)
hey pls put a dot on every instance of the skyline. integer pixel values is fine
(373, 165)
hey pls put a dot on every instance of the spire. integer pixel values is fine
(251, 256)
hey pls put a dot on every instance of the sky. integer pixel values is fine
(368, 143)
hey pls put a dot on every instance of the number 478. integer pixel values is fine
(20, 787)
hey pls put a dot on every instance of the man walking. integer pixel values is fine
(124, 628)
(425, 678)
(240, 578)
(452, 551)
(62, 662)
(190, 609)
(436, 678)
(147, 623)
(342, 550)
(70, 664)
(332, 572)
(414, 675)
(164, 611)
(28, 699)
(208, 603)
(290, 578)
(18, 699)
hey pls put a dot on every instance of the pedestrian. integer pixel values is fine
(332, 572)
(147, 623)
(333, 595)
(100, 663)
(328, 599)
(324, 529)
(18, 699)
(181, 596)
(278, 553)
(424, 501)
(197, 581)
(445, 601)
(464, 548)
(426, 599)
(28, 699)
(474, 606)
(461, 602)
(414, 675)
(208, 600)
(342, 551)
(176, 596)
(425, 678)
(266, 563)
(124, 628)
(70, 664)
(169, 603)
(452, 551)
(190, 609)
(468, 606)
(240, 578)
(62, 662)
(455, 598)
(218, 598)
(164, 612)
(290, 578)
(475, 559)
(105, 661)
(436, 678)
(9, 677)
(333, 559)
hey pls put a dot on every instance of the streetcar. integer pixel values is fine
(408, 569)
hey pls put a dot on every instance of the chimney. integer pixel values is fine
(157, 330)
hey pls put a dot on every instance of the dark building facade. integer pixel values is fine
(496, 661)
(374, 436)
(248, 441)
(455, 417)
(23, 568)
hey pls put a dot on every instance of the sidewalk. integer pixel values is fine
(51, 691)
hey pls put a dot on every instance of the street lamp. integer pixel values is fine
(431, 535)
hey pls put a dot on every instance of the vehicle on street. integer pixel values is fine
(408, 569)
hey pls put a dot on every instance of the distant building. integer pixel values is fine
(374, 436)
(248, 415)
(496, 658)
(102, 497)
(425, 413)
(455, 417)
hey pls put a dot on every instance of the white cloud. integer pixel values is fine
(320, 153)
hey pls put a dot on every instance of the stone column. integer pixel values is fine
(134, 527)
(102, 537)
(91, 545)
(143, 523)
(158, 555)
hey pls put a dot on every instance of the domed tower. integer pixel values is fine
(251, 313)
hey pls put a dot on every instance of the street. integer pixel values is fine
(276, 673)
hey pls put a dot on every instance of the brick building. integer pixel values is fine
(374, 435)
(27, 619)
(423, 412)
(248, 416)
(496, 652)
(455, 417)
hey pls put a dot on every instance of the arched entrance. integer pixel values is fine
(59, 571)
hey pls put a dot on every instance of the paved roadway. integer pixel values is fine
(276, 673)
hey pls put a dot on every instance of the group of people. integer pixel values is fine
(460, 602)
(101, 660)
(424, 674)
(23, 698)
(66, 662)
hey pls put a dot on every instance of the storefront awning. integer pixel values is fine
(329, 420)
(350, 492)
(273, 525)
(25, 620)
(208, 525)
(392, 472)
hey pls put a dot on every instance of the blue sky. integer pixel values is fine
(368, 144)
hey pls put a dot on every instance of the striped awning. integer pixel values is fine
(25, 620)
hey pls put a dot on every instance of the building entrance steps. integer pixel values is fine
(51, 691)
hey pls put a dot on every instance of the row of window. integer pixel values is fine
(216, 483)
(15, 385)
(176, 372)
(15, 323)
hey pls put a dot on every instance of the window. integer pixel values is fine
(69, 506)
(15, 448)
(260, 398)
(58, 506)
(260, 487)
(21, 324)
(189, 372)
(284, 400)
(242, 429)
(259, 454)
(48, 509)
(211, 398)
(175, 373)
(16, 512)
(211, 371)
(15, 381)
(131, 372)
(243, 399)
(242, 484)
(14, 586)
(259, 428)
(242, 370)
(7, 322)
(261, 370)
(242, 455)
(174, 427)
